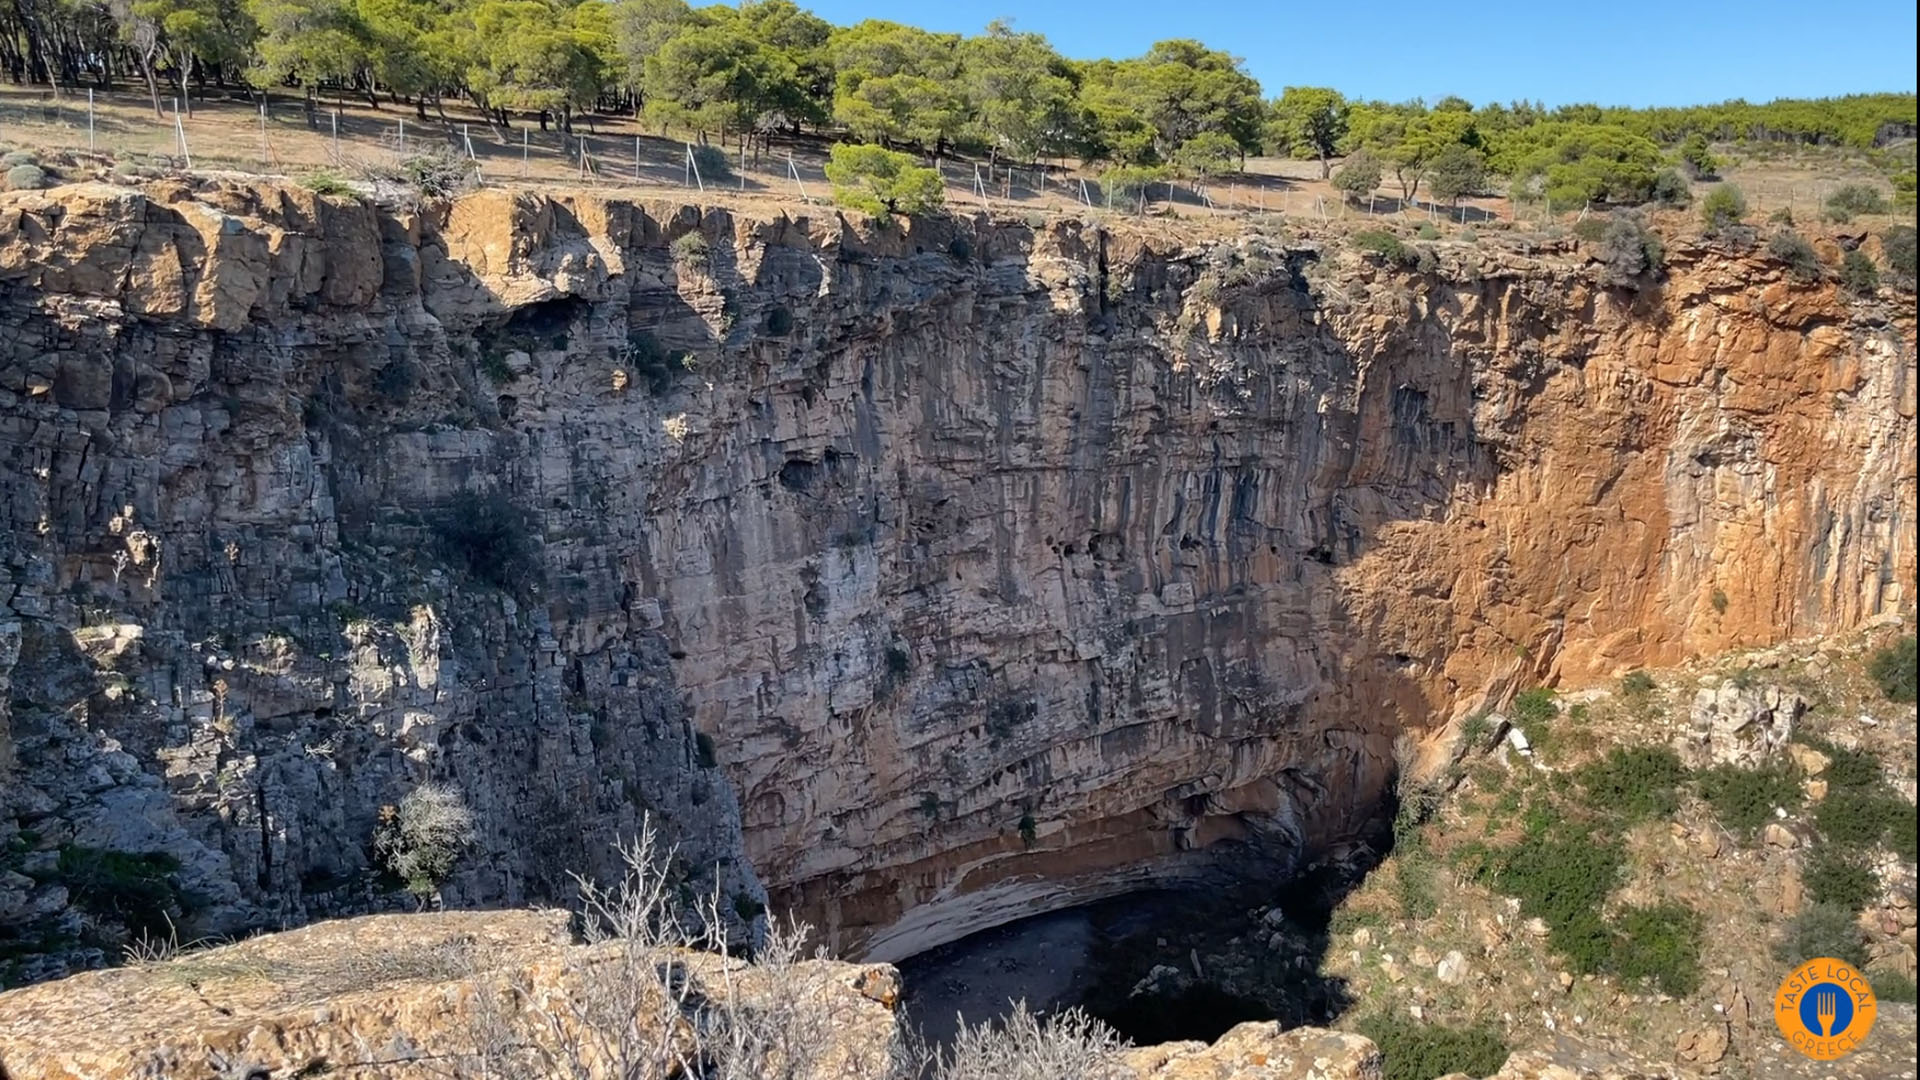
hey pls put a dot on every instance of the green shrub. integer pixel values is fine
(1638, 783)
(1860, 818)
(26, 178)
(1723, 207)
(1387, 246)
(419, 840)
(1892, 667)
(1359, 176)
(1792, 248)
(1892, 986)
(1631, 254)
(441, 174)
(1534, 712)
(690, 249)
(1858, 275)
(491, 537)
(15, 157)
(1427, 231)
(1852, 199)
(1743, 799)
(876, 181)
(1414, 885)
(1660, 945)
(1782, 217)
(1590, 229)
(1413, 1051)
(323, 182)
(1839, 877)
(1637, 684)
(1897, 245)
(1698, 157)
(654, 362)
(135, 889)
(1671, 189)
(1847, 768)
(1822, 930)
(1131, 183)
(1562, 874)
(713, 164)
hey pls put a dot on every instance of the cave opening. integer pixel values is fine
(1157, 965)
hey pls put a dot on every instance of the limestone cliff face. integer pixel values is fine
(995, 569)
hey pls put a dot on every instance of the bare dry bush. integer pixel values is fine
(1068, 1046)
(656, 993)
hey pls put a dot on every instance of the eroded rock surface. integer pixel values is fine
(991, 569)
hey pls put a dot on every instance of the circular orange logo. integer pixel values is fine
(1825, 1008)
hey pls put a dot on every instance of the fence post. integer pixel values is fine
(403, 136)
(794, 171)
(180, 132)
(336, 139)
(523, 152)
(266, 151)
(636, 159)
(90, 145)
(693, 167)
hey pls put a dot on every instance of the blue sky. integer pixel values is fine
(1626, 52)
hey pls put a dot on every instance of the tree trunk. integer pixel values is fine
(1326, 167)
(153, 87)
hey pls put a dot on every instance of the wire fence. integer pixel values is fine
(238, 131)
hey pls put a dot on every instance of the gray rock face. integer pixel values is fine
(935, 575)
(1742, 725)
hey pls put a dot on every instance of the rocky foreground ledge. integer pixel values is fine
(416, 996)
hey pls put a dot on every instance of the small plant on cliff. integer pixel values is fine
(439, 175)
(1631, 255)
(1897, 245)
(135, 889)
(1858, 275)
(1387, 246)
(419, 840)
(1636, 685)
(1743, 799)
(1822, 930)
(1659, 944)
(877, 181)
(1562, 872)
(1029, 830)
(1892, 668)
(26, 178)
(1534, 713)
(1413, 1051)
(691, 249)
(1792, 248)
(1639, 783)
(1839, 877)
(1725, 206)
(491, 536)
(324, 182)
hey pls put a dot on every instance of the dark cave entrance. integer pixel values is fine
(1159, 965)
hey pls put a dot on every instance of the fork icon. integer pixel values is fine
(1827, 1009)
